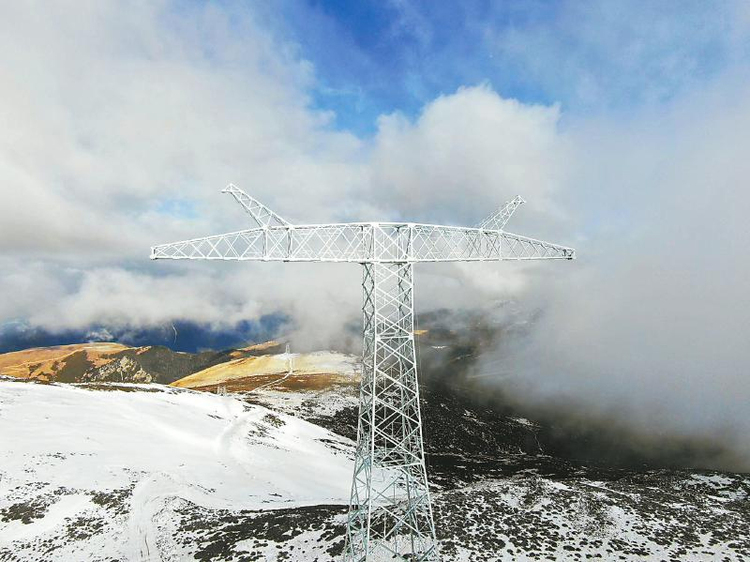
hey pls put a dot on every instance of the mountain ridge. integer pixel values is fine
(116, 362)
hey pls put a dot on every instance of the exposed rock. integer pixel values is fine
(122, 369)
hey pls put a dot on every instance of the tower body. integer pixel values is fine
(390, 515)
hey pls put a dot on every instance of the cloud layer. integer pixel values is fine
(650, 325)
(120, 131)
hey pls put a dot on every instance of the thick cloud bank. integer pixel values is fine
(119, 132)
(650, 326)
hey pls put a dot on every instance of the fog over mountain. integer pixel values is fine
(120, 129)
(650, 325)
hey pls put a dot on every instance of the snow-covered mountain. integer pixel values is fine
(107, 472)
(110, 475)
(111, 471)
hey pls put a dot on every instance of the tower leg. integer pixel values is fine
(390, 515)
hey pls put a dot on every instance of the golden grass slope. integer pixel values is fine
(45, 362)
(307, 370)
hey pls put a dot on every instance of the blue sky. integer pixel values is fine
(372, 58)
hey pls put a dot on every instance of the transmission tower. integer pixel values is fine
(390, 515)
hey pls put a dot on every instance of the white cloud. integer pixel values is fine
(108, 111)
(466, 154)
(112, 117)
(109, 116)
(650, 325)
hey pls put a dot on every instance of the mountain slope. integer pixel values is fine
(145, 472)
(508, 482)
(51, 363)
(94, 475)
(237, 369)
(296, 370)
(114, 362)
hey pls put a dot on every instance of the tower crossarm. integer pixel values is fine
(377, 242)
(261, 214)
(498, 219)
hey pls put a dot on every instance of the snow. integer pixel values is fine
(65, 507)
(524, 421)
(68, 443)
(147, 472)
(310, 402)
(712, 479)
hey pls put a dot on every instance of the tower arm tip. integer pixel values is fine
(261, 214)
(498, 219)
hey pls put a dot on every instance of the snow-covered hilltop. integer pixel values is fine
(96, 475)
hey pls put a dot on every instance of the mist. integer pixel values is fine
(649, 328)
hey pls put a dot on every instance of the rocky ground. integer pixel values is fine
(522, 504)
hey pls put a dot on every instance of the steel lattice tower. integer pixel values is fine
(390, 514)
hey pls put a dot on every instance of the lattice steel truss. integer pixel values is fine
(390, 515)
(498, 219)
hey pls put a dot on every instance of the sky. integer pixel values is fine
(624, 126)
